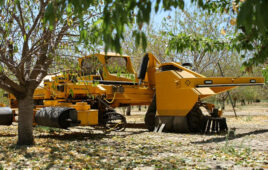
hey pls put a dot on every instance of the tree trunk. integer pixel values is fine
(25, 127)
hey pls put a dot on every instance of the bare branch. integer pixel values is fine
(43, 55)
(37, 19)
(6, 88)
(21, 18)
(5, 80)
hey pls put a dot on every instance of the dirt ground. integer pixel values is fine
(245, 147)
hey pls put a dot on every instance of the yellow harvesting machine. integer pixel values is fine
(89, 96)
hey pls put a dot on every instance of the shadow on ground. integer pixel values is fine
(7, 135)
(221, 139)
(86, 135)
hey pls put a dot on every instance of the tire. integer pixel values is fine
(112, 124)
(195, 119)
(150, 115)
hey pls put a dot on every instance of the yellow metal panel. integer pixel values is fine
(183, 68)
(205, 92)
(83, 117)
(63, 104)
(221, 89)
(172, 100)
(185, 74)
(86, 115)
(50, 102)
(93, 117)
(151, 69)
(82, 106)
(89, 117)
(193, 82)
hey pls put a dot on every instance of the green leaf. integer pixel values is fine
(245, 16)
(2, 2)
(99, 21)
(71, 92)
(144, 41)
(265, 74)
(181, 4)
(50, 15)
(69, 9)
(137, 38)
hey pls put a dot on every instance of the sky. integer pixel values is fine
(158, 17)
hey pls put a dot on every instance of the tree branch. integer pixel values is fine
(6, 88)
(12, 85)
(37, 19)
(22, 19)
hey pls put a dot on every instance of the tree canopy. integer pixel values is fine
(249, 17)
(32, 33)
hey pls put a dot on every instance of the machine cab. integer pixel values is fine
(110, 67)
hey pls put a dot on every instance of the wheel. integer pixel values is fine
(196, 119)
(150, 121)
(115, 122)
(150, 115)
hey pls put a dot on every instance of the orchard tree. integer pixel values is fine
(196, 37)
(249, 16)
(156, 43)
(31, 34)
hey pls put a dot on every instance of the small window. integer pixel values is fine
(90, 66)
(116, 65)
